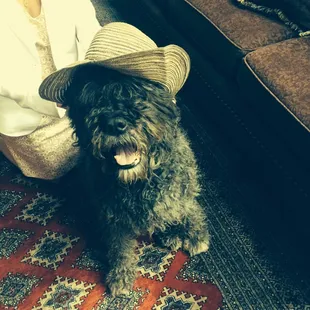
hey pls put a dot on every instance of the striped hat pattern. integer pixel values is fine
(124, 48)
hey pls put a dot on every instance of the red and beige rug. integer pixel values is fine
(45, 264)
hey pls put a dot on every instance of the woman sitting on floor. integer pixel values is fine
(37, 38)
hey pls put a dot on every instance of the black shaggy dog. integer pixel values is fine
(138, 168)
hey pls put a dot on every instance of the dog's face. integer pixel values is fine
(124, 122)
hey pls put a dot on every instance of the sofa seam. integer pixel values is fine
(271, 92)
(252, 135)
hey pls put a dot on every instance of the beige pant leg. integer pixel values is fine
(46, 153)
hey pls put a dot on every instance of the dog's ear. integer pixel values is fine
(82, 94)
(86, 85)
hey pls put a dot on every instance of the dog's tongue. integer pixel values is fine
(126, 156)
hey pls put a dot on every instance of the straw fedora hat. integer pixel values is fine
(124, 48)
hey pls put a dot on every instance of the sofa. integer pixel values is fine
(251, 76)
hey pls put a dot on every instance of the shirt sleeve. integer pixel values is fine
(21, 88)
(27, 96)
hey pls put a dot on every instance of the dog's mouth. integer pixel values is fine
(127, 156)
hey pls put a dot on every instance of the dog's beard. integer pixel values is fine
(131, 175)
(126, 156)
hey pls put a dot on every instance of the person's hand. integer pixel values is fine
(59, 105)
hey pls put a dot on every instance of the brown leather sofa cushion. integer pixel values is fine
(276, 80)
(246, 30)
(223, 30)
(284, 68)
(297, 11)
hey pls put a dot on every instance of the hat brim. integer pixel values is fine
(169, 66)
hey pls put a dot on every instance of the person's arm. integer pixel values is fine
(18, 81)
(87, 24)
(16, 121)
(26, 95)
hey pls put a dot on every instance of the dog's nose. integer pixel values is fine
(117, 125)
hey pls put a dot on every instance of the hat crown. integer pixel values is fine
(118, 39)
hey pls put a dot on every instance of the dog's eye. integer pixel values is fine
(102, 120)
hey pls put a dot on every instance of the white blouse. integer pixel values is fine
(29, 53)
(43, 44)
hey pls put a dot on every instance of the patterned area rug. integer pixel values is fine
(45, 264)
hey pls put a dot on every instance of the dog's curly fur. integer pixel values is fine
(158, 195)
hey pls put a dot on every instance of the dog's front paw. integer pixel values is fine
(118, 288)
(120, 283)
(194, 248)
(173, 243)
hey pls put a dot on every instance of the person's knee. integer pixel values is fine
(5, 151)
